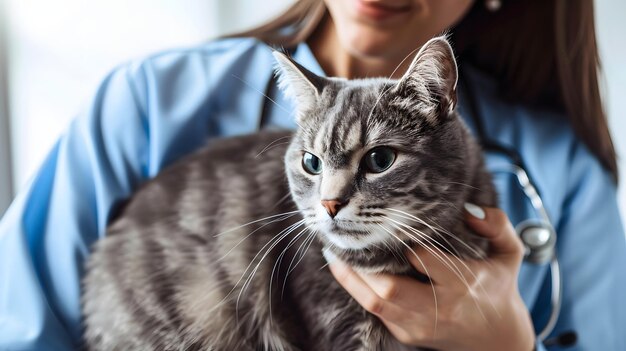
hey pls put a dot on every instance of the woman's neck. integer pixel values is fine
(337, 61)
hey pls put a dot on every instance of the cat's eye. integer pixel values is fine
(311, 163)
(379, 159)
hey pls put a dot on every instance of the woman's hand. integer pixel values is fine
(475, 306)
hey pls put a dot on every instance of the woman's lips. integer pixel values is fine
(379, 10)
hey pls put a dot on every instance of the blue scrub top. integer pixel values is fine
(147, 114)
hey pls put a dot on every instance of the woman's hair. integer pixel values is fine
(291, 27)
(543, 52)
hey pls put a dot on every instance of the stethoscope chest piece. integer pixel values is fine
(539, 240)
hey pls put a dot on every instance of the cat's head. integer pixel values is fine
(378, 164)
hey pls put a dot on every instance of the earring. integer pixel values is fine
(493, 5)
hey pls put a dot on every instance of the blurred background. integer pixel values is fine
(54, 53)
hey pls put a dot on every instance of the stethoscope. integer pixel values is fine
(537, 235)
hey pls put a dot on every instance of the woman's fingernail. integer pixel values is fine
(475, 211)
(329, 256)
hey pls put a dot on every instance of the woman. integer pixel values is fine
(545, 104)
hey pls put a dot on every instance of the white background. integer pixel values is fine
(58, 51)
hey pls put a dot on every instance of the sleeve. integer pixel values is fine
(591, 248)
(46, 233)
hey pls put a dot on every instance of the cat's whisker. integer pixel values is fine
(480, 285)
(310, 238)
(287, 214)
(272, 244)
(435, 231)
(394, 252)
(324, 266)
(239, 243)
(273, 144)
(277, 263)
(306, 244)
(250, 234)
(269, 98)
(262, 93)
(458, 183)
(474, 277)
(275, 239)
(224, 332)
(291, 243)
(329, 247)
(444, 234)
(282, 199)
(425, 270)
(438, 230)
(249, 279)
(435, 243)
(418, 240)
(475, 253)
(440, 255)
(384, 91)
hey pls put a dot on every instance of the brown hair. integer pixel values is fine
(292, 26)
(543, 52)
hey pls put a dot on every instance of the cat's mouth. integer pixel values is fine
(350, 235)
(362, 247)
(343, 227)
(370, 260)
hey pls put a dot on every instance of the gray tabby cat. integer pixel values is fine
(223, 250)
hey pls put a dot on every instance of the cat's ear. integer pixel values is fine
(297, 82)
(431, 79)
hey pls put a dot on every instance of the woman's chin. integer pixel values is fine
(374, 46)
(379, 46)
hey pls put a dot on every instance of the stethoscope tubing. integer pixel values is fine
(556, 299)
(518, 169)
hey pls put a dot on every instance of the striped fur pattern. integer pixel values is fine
(224, 250)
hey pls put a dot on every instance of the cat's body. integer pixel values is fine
(160, 273)
(223, 251)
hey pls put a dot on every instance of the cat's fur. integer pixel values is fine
(189, 265)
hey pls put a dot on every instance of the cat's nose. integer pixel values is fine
(333, 206)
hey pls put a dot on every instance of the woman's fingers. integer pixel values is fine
(493, 224)
(469, 302)
(400, 290)
(442, 268)
(378, 294)
(449, 270)
(421, 336)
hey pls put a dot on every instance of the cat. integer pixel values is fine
(224, 250)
